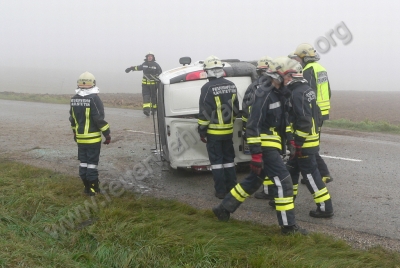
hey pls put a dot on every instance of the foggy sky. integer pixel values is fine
(45, 44)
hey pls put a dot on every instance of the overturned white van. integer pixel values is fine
(178, 108)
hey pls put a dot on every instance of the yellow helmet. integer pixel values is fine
(305, 50)
(263, 63)
(212, 62)
(282, 66)
(86, 80)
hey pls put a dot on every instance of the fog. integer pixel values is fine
(45, 45)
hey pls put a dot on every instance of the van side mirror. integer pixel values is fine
(185, 60)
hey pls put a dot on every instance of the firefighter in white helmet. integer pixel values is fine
(219, 107)
(305, 119)
(88, 124)
(151, 70)
(265, 131)
(317, 78)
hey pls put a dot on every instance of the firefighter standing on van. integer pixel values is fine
(305, 117)
(264, 138)
(87, 123)
(151, 70)
(219, 107)
(317, 78)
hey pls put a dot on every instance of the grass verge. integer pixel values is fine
(366, 125)
(46, 221)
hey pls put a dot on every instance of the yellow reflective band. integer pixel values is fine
(310, 144)
(321, 196)
(301, 133)
(154, 105)
(219, 113)
(295, 189)
(147, 105)
(239, 193)
(254, 140)
(87, 120)
(105, 127)
(244, 119)
(86, 141)
(203, 122)
(76, 122)
(219, 132)
(136, 68)
(272, 144)
(223, 126)
(88, 135)
(284, 203)
(267, 181)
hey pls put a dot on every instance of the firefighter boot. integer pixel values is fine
(263, 195)
(320, 214)
(221, 213)
(94, 187)
(294, 229)
(87, 187)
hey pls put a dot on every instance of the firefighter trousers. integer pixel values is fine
(88, 155)
(221, 155)
(281, 186)
(149, 93)
(307, 166)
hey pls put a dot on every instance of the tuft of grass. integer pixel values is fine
(44, 223)
(366, 125)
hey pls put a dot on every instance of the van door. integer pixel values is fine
(181, 107)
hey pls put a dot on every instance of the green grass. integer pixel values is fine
(44, 223)
(47, 98)
(366, 125)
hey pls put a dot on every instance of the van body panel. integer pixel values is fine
(183, 98)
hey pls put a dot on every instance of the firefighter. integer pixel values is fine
(219, 107)
(87, 123)
(305, 117)
(266, 118)
(262, 66)
(317, 78)
(151, 71)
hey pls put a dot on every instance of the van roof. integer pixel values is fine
(232, 68)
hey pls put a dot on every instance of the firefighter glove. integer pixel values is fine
(203, 138)
(256, 164)
(108, 140)
(295, 149)
(128, 70)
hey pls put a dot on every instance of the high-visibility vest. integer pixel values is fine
(322, 90)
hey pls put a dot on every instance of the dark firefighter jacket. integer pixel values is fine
(248, 99)
(266, 124)
(218, 107)
(149, 68)
(317, 78)
(87, 119)
(305, 115)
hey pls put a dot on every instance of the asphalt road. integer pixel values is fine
(365, 190)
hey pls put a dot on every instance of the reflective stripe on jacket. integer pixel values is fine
(218, 107)
(320, 86)
(87, 118)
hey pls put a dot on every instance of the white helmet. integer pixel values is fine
(306, 52)
(212, 62)
(86, 80)
(282, 66)
(263, 63)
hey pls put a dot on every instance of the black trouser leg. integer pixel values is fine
(228, 153)
(282, 187)
(309, 170)
(89, 155)
(146, 93)
(322, 167)
(215, 155)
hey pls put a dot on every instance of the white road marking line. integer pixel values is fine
(341, 158)
(143, 132)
